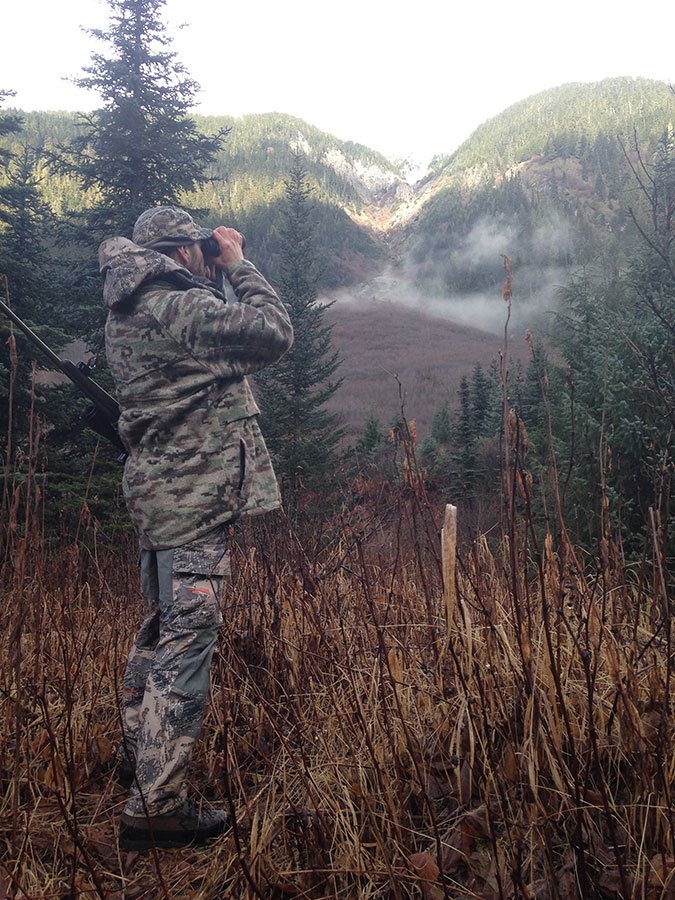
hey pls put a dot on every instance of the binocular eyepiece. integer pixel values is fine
(211, 247)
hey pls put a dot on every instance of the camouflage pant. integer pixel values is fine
(166, 681)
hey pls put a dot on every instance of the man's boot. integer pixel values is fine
(189, 824)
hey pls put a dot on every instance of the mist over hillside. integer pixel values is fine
(547, 183)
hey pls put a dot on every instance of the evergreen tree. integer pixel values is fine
(301, 434)
(618, 337)
(37, 287)
(26, 221)
(441, 430)
(33, 285)
(483, 391)
(465, 441)
(10, 123)
(370, 439)
(140, 148)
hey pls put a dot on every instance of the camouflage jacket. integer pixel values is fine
(179, 354)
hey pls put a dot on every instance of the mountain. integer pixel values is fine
(548, 183)
(564, 121)
(381, 341)
(247, 189)
(348, 179)
(545, 182)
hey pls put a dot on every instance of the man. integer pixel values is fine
(180, 354)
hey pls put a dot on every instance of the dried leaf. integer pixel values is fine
(427, 871)
(651, 722)
(102, 845)
(662, 877)
(84, 884)
(453, 858)
(54, 776)
(479, 864)
(437, 788)
(129, 860)
(475, 824)
(609, 882)
(102, 749)
(39, 742)
(510, 763)
(394, 660)
(465, 782)
(136, 891)
(566, 876)
(525, 644)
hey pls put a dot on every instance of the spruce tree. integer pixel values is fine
(301, 434)
(465, 456)
(370, 439)
(482, 393)
(10, 123)
(33, 287)
(435, 446)
(618, 337)
(140, 148)
(441, 430)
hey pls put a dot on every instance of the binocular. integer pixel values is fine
(211, 247)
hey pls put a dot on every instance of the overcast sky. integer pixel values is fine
(412, 79)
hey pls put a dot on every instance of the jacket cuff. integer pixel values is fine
(235, 266)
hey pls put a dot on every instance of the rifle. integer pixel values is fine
(102, 416)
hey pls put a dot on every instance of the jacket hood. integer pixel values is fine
(126, 266)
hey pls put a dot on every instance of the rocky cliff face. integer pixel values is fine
(371, 182)
(388, 201)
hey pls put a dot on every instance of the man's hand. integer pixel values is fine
(229, 242)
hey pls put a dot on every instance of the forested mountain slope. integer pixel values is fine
(546, 182)
(565, 121)
(249, 183)
(347, 178)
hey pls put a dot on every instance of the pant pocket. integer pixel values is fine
(207, 556)
(192, 678)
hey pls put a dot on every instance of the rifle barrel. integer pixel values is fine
(103, 415)
(31, 334)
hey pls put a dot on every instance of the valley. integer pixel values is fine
(381, 340)
(415, 270)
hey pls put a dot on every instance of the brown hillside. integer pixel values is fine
(429, 355)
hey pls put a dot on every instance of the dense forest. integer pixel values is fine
(549, 179)
(244, 184)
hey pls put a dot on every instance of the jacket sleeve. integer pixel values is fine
(234, 338)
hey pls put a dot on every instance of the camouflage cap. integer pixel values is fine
(164, 227)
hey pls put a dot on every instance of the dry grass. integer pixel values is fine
(364, 748)
(373, 732)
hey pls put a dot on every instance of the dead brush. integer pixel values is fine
(375, 732)
(364, 748)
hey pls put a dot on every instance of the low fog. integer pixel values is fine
(422, 275)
